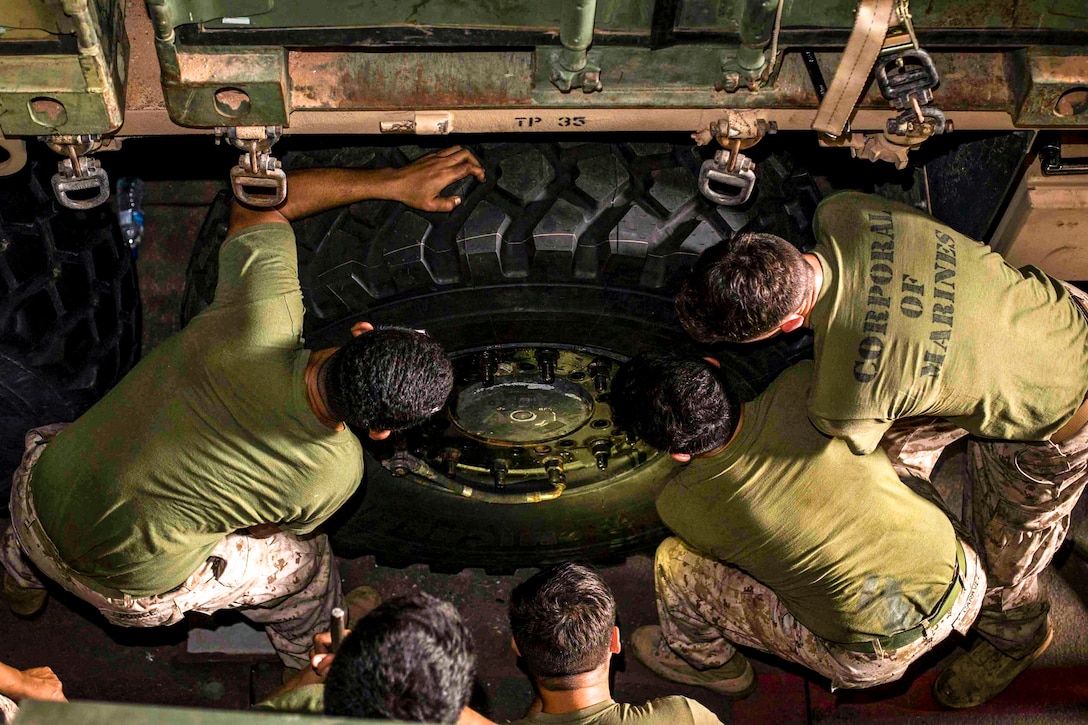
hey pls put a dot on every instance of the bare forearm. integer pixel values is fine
(419, 185)
(316, 190)
(11, 681)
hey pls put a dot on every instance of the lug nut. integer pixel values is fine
(547, 361)
(602, 451)
(498, 471)
(600, 370)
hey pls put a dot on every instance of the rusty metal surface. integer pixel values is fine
(144, 87)
(352, 92)
(360, 80)
(676, 77)
(1041, 80)
(244, 87)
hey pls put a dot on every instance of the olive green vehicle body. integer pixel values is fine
(489, 64)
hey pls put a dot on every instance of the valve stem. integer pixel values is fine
(554, 469)
(498, 471)
(451, 456)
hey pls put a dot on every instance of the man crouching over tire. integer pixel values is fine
(788, 543)
(198, 482)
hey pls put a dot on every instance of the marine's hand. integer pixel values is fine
(39, 683)
(469, 716)
(322, 656)
(420, 183)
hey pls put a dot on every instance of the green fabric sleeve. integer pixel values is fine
(700, 715)
(308, 699)
(257, 263)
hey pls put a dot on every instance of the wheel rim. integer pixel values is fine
(526, 419)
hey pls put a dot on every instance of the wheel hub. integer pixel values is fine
(528, 419)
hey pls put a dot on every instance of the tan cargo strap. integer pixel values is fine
(862, 49)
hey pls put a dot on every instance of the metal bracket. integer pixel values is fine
(877, 146)
(920, 122)
(78, 172)
(588, 78)
(748, 65)
(257, 170)
(731, 169)
(570, 65)
(907, 78)
(1052, 163)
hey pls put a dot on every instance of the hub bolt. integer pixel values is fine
(547, 359)
(600, 369)
(602, 451)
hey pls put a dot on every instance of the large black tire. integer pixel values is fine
(69, 310)
(571, 245)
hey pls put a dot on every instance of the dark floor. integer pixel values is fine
(100, 662)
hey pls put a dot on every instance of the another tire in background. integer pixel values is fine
(69, 310)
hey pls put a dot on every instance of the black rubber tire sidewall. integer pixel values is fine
(380, 262)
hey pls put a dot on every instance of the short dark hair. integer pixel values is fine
(388, 379)
(742, 288)
(411, 658)
(562, 619)
(675, 402)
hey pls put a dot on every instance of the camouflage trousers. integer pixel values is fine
(289, 584)
(1017, 502)
(706, 607)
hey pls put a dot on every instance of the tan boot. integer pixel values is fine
(981, 673)
(23, 601)
(735, 679)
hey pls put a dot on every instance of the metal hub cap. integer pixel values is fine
(522, 409)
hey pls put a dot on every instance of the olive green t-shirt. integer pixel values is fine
(209, 434)
(847, 547)
(673, 710)
(916, 319)
(309, 699)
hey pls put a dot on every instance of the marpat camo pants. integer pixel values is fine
(1017, 501)
(287, 583)
(706, 607)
